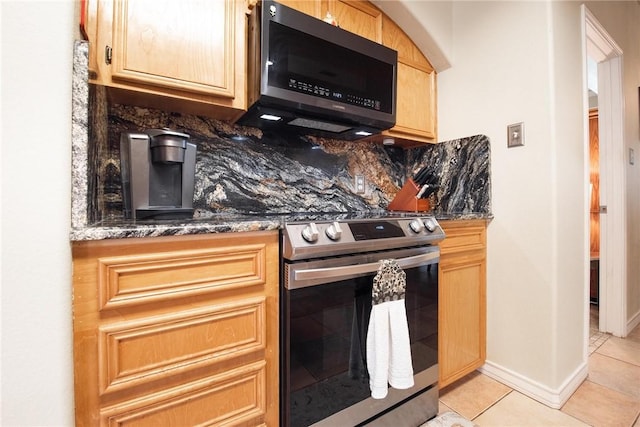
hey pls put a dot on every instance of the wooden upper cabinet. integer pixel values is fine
(358, 17)
(310, 7)
(171, 46)
(416, 110)
(191, 52)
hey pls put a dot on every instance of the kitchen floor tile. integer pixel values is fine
(621, 349)
(615, 374)
(596, 339)
(473, 394)
(600, 406)
(442, 408)
(516, 409)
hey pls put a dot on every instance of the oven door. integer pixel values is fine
(326, 305)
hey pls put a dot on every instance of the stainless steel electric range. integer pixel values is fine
(327, 271)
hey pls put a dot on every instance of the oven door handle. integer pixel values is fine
(330, 274)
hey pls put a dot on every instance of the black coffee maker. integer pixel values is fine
(158, 174)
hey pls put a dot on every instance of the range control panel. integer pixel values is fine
(304, 240)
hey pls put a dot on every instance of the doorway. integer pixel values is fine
(594, 199)
(603, 50)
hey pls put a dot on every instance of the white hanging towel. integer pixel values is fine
(388, 347)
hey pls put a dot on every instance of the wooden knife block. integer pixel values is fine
(407, 201)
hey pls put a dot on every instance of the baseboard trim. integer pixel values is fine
(554, 398)
(633, 322)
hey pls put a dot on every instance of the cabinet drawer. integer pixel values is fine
(236, 397)
(144, 278)
(463, 236)
(141, 351)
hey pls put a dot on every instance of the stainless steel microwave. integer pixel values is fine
(311, 77)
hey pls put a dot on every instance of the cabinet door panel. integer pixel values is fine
(310, 7)
(461, 320)
(358, 17)
(416, 102)
(416, 115)
(462, 299)
(172, 45)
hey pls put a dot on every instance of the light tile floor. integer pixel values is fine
(610, 396)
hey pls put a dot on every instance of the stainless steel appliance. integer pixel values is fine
(158, 174)
(327, 276)
(314, 78)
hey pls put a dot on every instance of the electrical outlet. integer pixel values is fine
(515, 135)
(359, 184)
(632, 156)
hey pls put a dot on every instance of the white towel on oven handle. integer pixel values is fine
(388, 345)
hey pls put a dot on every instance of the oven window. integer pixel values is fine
(325, 329)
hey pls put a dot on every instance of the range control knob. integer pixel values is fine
(430, 224)
(310, 233)
(416, 225)
(334, 231)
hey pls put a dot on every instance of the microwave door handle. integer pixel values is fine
(338, 273)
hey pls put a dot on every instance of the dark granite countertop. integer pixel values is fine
(215, 224)
(459, 216)
(225, 223)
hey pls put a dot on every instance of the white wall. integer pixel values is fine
(506, 69)
(36, 371)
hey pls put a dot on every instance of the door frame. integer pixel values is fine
(613, 217)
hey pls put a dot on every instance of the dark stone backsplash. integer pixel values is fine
(267, 173)
(462, 168)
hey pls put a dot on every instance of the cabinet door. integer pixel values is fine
(174, 52)
(461, 316)
(415, 116)
(462, 300)
(310, 7)
(178, 44)
(416, 92)
(358, 17)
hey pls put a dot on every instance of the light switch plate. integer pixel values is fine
(515, 135)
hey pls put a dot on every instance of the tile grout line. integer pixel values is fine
(493, 404)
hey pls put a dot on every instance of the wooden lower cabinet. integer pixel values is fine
(462, 299)
(176, 331)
